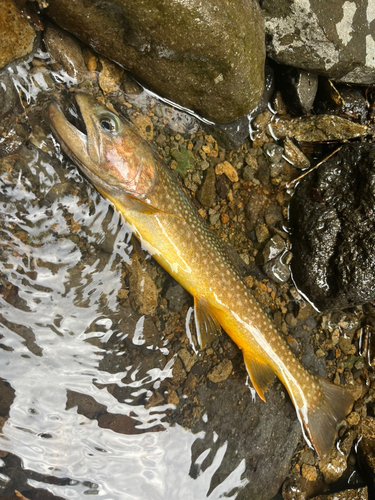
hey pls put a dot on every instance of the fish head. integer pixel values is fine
(110, 153)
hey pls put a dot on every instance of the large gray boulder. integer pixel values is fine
(206, 56)
(335, 38)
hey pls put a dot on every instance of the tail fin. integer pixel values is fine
(321, 421)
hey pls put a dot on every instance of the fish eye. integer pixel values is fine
(109, 123)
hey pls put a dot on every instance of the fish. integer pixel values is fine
(127, 171)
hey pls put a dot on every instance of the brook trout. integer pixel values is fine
(126, 170)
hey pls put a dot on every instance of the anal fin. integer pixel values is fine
(206, 323)
(261, 375)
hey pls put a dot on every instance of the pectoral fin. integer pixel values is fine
(260, 374)
(131, 202)
(134, 203)
(206, 323)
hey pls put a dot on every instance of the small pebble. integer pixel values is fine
(227, 169)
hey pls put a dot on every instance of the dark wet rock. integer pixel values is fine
(332, 215)
(297, 489)
(299, 89)
(230, 135)
(273, 248)
(356, 494)
(329, 38)
(277, 270)
(318, 128)
(206, 193)
(273, 152)
(176, 296)
(209, 59)
(266, 433)
(16, 34)
(366, 445)
(344, 101)
(335, 464)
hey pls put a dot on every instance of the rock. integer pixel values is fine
(299, 89)
(318, 128)
(110, 78)
(66, 52)
(273, 215)
(206, 193)
(248, 173)
(357, 494)
(143, 291)
(335, 39)
(262, 233)
(16, 34)
(343, 101)
(222, 187)
(294, 155)
(176, 296)
(9, 98)
(265, 433)
(210, 59)
(332, 217)
(227, 169)
(214, 218)
(334, 465)
(277, 270)
(220, 372)
(274, 153)
(6, 398)
(254, 208)
(188, 359)
(230, 135)
(273, 248)
(309, 472)
(366, 443)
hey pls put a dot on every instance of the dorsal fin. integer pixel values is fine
(260, 374)
(206, 324)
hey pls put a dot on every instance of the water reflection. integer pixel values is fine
(79, 361)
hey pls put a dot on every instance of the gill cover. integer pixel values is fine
(111, 154)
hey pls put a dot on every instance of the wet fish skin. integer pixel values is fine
(127, 171)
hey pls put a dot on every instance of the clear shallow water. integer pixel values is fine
(75, 356)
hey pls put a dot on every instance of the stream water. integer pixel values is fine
(76, 363)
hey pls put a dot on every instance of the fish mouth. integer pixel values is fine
(76, 130)
(68, 127)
